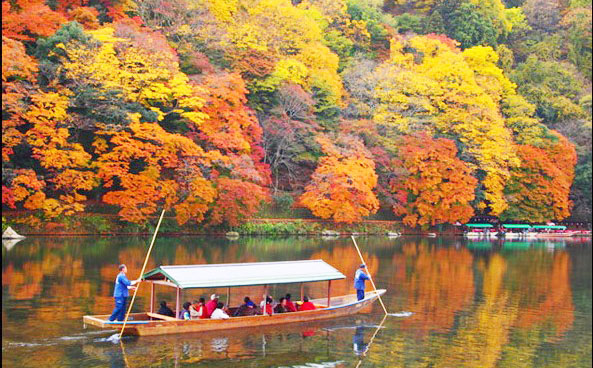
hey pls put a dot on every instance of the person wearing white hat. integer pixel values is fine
(211, 304)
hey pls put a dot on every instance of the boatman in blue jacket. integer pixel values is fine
(359, 277)
(120, 293)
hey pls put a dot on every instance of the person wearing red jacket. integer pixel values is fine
(267, 304)
(290, 307)
(211, 305)
(307, 305)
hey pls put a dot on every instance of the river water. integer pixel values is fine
(461, 304)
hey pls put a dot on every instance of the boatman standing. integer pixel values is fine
(359, 277)
(120, 293)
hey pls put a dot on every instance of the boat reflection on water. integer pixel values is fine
(296, 344)
(518, 244)
(10, 243)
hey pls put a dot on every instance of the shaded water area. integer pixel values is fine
(473, 304)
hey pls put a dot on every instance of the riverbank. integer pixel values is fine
(110, 225)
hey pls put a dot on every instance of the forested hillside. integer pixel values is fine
(434, 110)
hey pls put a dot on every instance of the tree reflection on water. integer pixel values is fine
(486, 306)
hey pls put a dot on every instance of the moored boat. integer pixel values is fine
(552, 231)
(479, 231)
(524, 231)
(236, 275)
(516, 231)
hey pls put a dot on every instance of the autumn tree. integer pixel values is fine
(437, 187)
(143, 166)
(432, 86)
(289, 138)
(341, 186)
(18, 81)
(237, 201)
(36, 121)
(231, 127)
(539, 189)
(26, 20)
(576, 23)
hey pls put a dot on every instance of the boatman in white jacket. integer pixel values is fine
(359, 278)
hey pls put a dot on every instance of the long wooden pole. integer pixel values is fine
(371, 340)
(369, 274)
(141, 273)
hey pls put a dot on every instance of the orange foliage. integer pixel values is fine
(341, 186)
(252, 63)
(144, 159)
(26, 20)
(539, 190)
(231, 126)
(437, 187)
(26, 184)
(15, 62)
(18, 73)
(65, 164)
(86, 16)
(237, 201)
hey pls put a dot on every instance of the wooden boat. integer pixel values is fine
(516, 231)
(235, 275)
(479, 231)
(552, 231)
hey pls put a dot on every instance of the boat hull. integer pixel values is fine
(475, 234)
(148, 324)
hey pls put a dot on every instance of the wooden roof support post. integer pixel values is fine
(265, 297)
(302, 291)
(177, 302)
(228, 297)
(152, 297)
(329, 287)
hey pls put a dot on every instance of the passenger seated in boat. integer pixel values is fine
(218, 313)
(290, 307)
(249, 302)
(306, 305)
(269, 302)
(198, 309)
(166, 311)
(211, 305)
(281, 306)
(248, 308)
(184, 314)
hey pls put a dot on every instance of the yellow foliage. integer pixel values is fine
(151, 79)
(292, 34)
(223, 10)
(323, 70)
(287, 70)
(439, 89)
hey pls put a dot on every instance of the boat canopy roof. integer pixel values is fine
(244, 274)
(516, 226)
(479, 225)
(555, 227)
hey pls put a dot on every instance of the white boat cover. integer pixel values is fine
(245, 274)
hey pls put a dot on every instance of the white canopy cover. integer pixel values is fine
(245, 274)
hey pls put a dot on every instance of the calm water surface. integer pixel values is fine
(473, 304)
